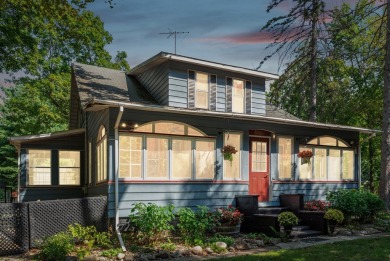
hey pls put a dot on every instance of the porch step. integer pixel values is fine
(301, 228)
(271, 210)
(306, 233)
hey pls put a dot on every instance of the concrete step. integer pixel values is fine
(301, 228)
(271, 210)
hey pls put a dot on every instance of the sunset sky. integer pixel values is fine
(225, 31)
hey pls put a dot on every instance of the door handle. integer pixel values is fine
(266, 176)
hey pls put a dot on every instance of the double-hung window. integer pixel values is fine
(285, 148)
(69, 167)
(39, 167)
(101, 155)
(232, 169)
(238, 96)
(202, 90)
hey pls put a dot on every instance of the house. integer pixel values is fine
(155, 134)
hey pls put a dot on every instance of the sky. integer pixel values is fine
(224, 31)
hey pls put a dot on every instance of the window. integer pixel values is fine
(39, 167)
(232, 170)
(101, 155)
(89, 162)
(157, 157)
(332, 160)
(202, 91)
(69, 167)
(175, 155)
(181, 158)
(238, 96)
(205, 159)
(285, 157)
(130, 156)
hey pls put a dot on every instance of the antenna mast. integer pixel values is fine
(175, 33)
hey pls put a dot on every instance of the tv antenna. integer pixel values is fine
(174, 33)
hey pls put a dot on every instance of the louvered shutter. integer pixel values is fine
(248, 97)
(229, 89)
(213, 92)
(191, 89)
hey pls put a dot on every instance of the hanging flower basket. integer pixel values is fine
(228, 152)
(14, 194)
(305, 156)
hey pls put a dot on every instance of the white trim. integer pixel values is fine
(16, 141)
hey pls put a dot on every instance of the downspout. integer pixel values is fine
(116, 173)
(360, 156)
(18, 188)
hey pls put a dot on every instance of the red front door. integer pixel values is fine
(259, 167)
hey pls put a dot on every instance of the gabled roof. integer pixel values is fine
(95, 82)
(163, 57)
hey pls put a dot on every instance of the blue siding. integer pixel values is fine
(258, 97)
(178, 89)
(213, 195)
(156, 82)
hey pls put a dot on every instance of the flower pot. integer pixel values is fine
(228, 230)
(305, 161)
(332, 225)
(287, 229)
(228, 156)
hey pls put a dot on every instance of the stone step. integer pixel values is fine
(271, 210)
(306, 233)
(301, 228)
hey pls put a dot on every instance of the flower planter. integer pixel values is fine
(292, 201)
(247, 204)
(287, 229)
(314, 219)
(305, 161)
(228, 230)
(332, 225)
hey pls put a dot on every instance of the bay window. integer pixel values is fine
(101, 155)
(332, 160)
(157, 157)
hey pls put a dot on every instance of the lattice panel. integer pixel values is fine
(50, 217)
(13, 228)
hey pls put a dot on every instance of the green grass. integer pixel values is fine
(356, 250)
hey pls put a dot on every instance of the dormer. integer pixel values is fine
(184, 82)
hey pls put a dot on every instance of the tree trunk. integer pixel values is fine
(313, 62)
(384, 187)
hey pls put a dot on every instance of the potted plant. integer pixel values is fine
(287, 219)
(334, 217)
(228, 220)
(228, 152)
(305, 156)
(14, 194)
(316, 205)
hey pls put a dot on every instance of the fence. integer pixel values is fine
(25, 225)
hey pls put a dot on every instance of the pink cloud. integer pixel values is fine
(245, 38)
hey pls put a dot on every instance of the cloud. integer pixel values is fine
(244, 38)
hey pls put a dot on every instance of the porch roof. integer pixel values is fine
(18, 140)
(277, 120)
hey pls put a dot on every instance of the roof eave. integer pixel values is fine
(233, 115)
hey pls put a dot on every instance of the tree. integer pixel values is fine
(42, 39)
(384, 187)
(299, 30)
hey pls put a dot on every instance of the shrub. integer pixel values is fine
(219, 238)
(168, 246)
(316, 205)
(151, 221)
(113, 252)
(356, 203)
(57, 247)
(334, 215)
(89, 233)
(193, 225)
(287, 218)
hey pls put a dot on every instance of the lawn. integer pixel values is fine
(362, 249)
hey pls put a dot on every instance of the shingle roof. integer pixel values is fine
(275, 112)
(95, 82)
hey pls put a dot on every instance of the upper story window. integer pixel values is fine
(238, 96)
(101, 155)
(201, 90)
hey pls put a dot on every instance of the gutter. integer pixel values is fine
(360, 156)
(116, 174)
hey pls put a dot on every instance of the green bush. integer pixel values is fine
(113, 252)
(57, 247)
(358, 204)
(287, 218)
(334, 215)
(89, 233)
(193, 225)
(151, 221)
(219, 238)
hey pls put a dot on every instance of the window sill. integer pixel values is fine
(178, 181)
